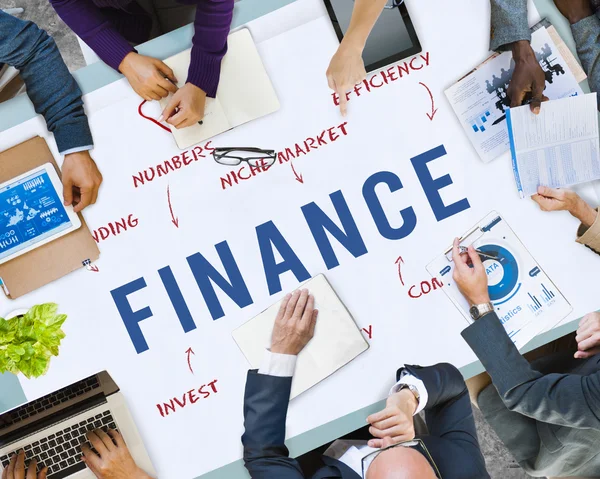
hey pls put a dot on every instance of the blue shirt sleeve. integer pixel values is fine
(51, 88)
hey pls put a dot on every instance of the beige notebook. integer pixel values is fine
(336, 342)
(245, 91)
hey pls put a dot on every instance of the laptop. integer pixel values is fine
(52, 428)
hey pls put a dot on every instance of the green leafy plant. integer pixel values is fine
(28, 342)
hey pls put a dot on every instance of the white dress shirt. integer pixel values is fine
(283, 365)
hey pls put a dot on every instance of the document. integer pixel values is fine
(558, 147)
(480, 98)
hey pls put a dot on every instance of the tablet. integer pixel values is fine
(32, 212)
(393, 37)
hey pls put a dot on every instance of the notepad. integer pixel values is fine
(245, 91)
(558, 147)
(336, 342)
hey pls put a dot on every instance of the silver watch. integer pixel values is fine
(479, 310)
(412, 389)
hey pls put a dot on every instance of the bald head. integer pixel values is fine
(400, 463)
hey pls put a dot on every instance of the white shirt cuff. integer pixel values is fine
(77, 150)
(275, 364)
(409, 379)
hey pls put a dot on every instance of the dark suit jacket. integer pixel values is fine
(547, 414)
(452, 439)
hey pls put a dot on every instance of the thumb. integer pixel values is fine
(375, 443)
(166, 71)
(68, 190)
(587, 354)
(170, 109)
(547, 191)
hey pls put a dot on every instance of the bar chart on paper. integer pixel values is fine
(478, 122)
(546, 295)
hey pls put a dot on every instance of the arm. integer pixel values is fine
(586, 33)
(211, 28)
(564, 399)
(51, 88)
(509, 23)
(347, 68)
(88, 22)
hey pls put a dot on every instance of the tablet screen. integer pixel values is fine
(31, 210)
(392, 38)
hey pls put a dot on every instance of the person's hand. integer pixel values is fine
(16, 469)
(186, 107)
(395, 421)
(471, 279)
(113, 460)
(527, 76)
(81, 180)
(588, 336)
(346, 69)
(574, 10)
(149, 77)
(294, 324)
(558, 199)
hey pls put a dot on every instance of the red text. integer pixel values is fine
(426, 287)
(190, 397)
(114, 228)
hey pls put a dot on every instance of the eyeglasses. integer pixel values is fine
(391, 4)
(417, 444)
(253, 156)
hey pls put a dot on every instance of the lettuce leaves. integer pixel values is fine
(28, 342)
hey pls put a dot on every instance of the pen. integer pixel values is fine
(13, 11)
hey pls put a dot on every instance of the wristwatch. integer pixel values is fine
(479, 310)
(412, 389)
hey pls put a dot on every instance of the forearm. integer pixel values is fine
(586, 32)
(211, 28)
(364, 16)
(508, 23)
(51, 88)
(88, 22)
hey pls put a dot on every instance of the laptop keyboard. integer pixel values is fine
(61, 451)
(50, 401)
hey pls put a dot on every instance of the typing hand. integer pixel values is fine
(146, 76)
(113, 460)
(346, 69)
(558, 199)
(469, 275)
(16, 469)
(294, 324)
(395, 423)
(588, 336)
(81, 180)
(186, 107)
(574, 10)
(528, 76)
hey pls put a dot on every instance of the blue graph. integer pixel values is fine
(546, 295)
(479, 120)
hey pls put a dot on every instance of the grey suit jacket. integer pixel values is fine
(547, 414)
(509, 24)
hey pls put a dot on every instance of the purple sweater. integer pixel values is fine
(108, 27)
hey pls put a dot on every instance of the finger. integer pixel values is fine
(308, 311)
(97, 443)
(19, 470)
(397, 433)
(151, 95)
(516, 99)
(167, 85)
(67, 190)
(11, 466)
(187, 122)
(86, 199)
(375, 443)
(386, 423)
(589, 343)
(475, 259)
(459, 259)
(330, 81)
(43, 473)
(166, 71)
(289, 310)
(587, 319)
(343, 102)
(31, 470)
(117, 438)
(5, 473)
(90, 458)
(281, 312)
(587, 354)
(176, 118)
(160, 91)
(105, 438)
(381, 415)
(538, 96)
(301, 305)
(583, 335)
(94, 193)
(313, 322)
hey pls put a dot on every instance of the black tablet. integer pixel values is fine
(393, 37)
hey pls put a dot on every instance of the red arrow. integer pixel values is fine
(298, 177)
(189, 352)
(398, 262)
(433, 108)
(174, 220)
(94, 268)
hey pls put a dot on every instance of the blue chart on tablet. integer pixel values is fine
(30, 211)
(524, 297)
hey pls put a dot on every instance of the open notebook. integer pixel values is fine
(244, 94)
(336, 342)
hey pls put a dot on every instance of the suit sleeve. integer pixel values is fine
(586, 33)
(590, 237)
(563, 399)
(51, 88)
(265, 409)
(509, 23)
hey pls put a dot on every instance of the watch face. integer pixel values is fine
(474, 312)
